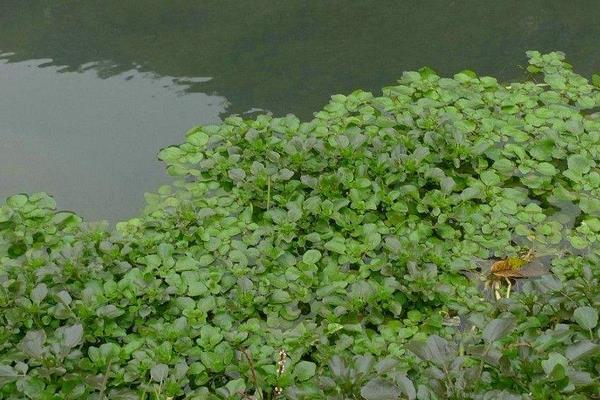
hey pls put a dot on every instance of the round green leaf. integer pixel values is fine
(586, 317)
(311, 256)
(579, 164)
(305, 370)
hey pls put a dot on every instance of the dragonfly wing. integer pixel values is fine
(527, 271)
(534, 269)
(509, 273)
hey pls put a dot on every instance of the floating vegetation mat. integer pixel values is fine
(438, 241)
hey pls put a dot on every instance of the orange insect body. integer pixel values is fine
(513, 268)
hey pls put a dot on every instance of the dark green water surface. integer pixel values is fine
(90, 90)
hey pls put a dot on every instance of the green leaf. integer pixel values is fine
(305, 370)
(311, 256)
(590, 205)
(237, 174)
(508, 206)
(490, 178)
(198, 138)
(32, 387)
(17, 201)
(186, 263)
(170, 154)
(555, 81)
(578, 242)
(105, 354)
(165, 250)
(543, 149)
(212, 361)
(555, 366)
(406, 332)
(592, 223)
(280, 296)
(65, 219)
(210, 337)
(109, 311)
(372, 240)
(447, 184)
(336, 245)
(579, 164)
(546, 168)
(586, 317)
(236, 386)
(470, 193)
(196, 288)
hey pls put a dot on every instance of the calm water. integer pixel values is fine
(89, 91)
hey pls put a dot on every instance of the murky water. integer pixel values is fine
(89, 91)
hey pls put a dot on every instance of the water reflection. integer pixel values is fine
(290, 56)
(92, 143)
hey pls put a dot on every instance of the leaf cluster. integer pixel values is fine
(344, 243)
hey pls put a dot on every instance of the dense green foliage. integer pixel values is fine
(350, 242)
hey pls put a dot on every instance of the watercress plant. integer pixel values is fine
(336, 258)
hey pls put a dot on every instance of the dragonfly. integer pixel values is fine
(510, 269)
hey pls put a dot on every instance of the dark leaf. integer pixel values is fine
(7, 374)
(363, 364)
(338, 367)
(586, 317)
(159, 372)
(72, 335)
(435, 349)
(498, 328)
(379, 389)
(582, 349)
(385, 365)
(33, 344)
(406, 386)
(39, 293)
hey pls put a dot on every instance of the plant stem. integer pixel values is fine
(481, 363)
(268, 193)
(252, 372)
(105, 379)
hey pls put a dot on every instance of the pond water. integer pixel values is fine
(90, 91)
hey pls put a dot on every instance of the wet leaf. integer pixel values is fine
(311, 256)
(379, 389)
(159, 372)
(33, 343)
(72, 335)
(7, 374)
(305, 370)
(497, 329)
(582, 349)
(39, 293)
(586, 317)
